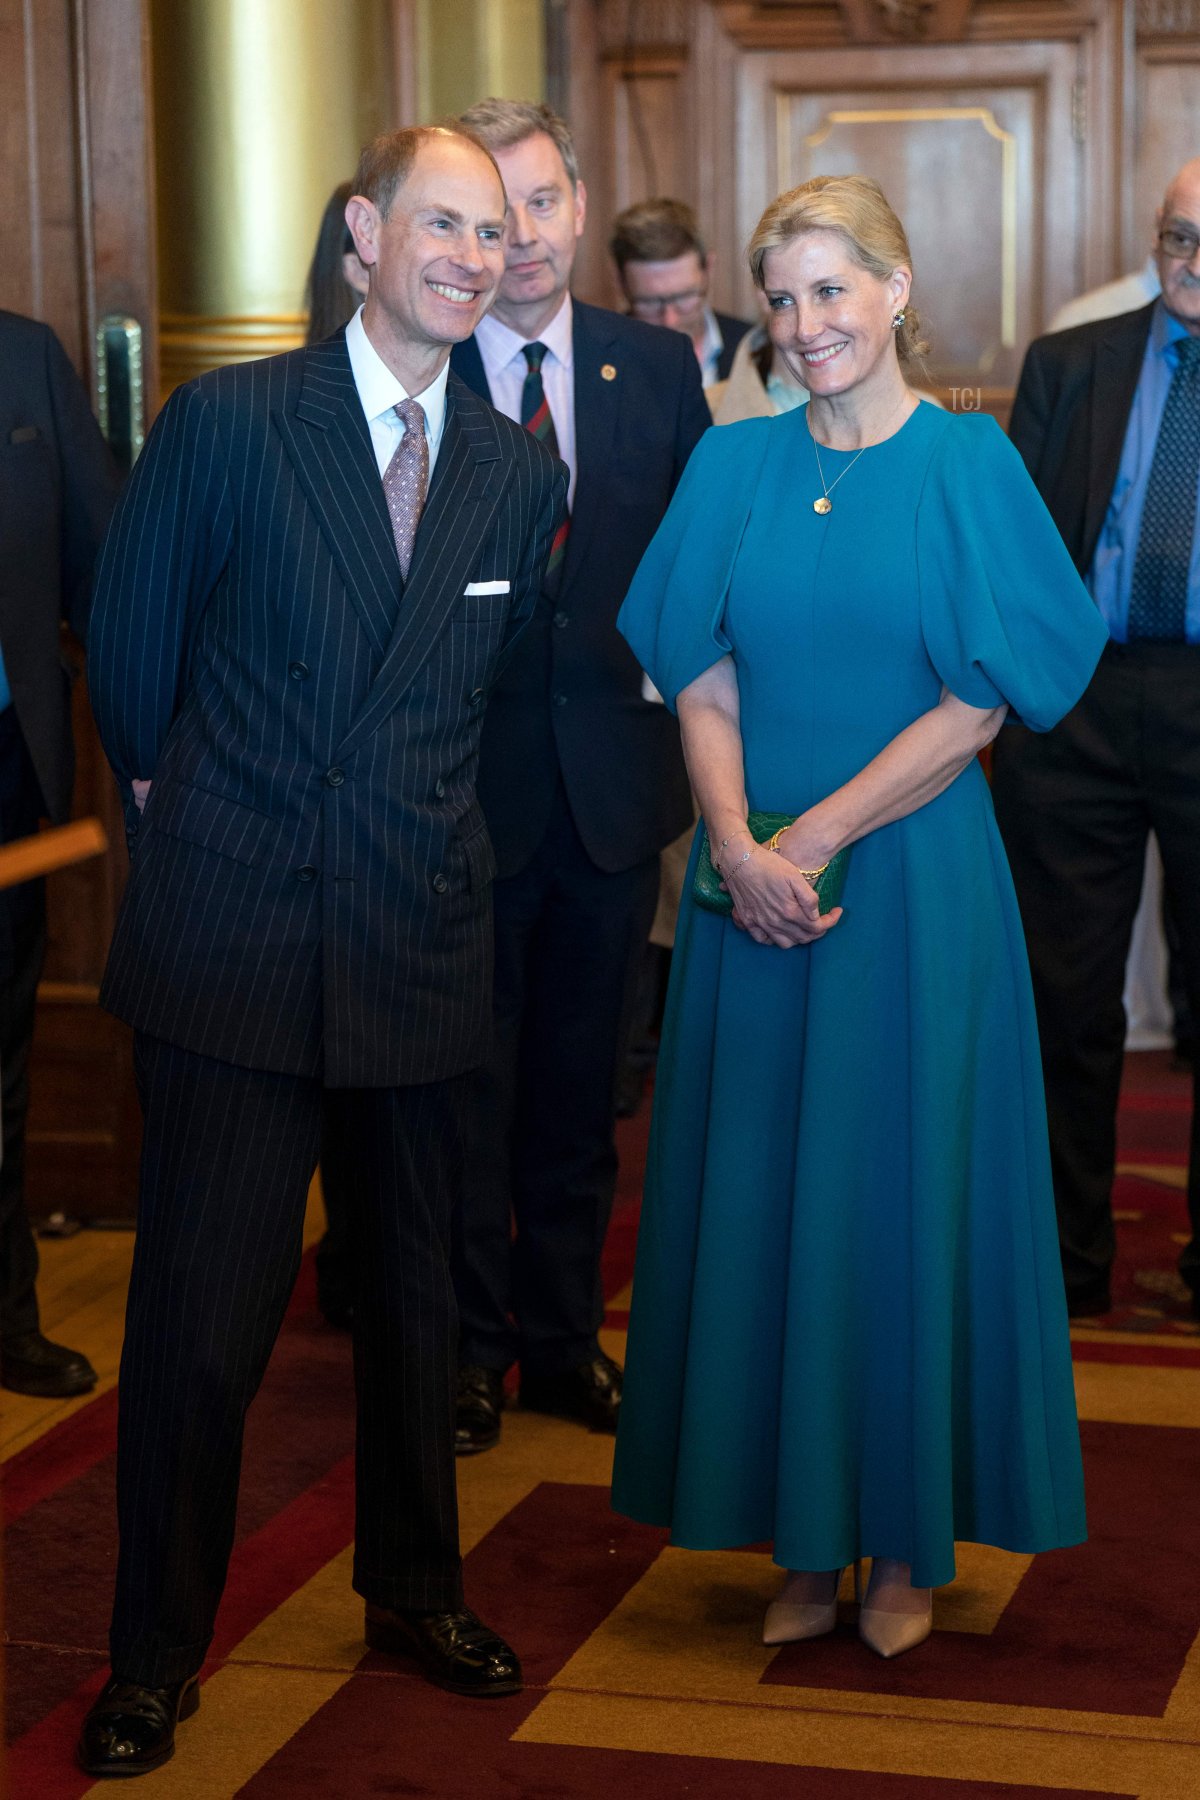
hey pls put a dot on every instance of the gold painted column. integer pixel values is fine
(469, 49)
(261, 107)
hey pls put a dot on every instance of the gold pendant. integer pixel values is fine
(823, 505)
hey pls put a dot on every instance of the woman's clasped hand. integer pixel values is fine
(772, 900)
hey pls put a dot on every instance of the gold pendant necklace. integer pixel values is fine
(824, 504)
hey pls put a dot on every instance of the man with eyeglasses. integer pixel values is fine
(664, 268)
(1107, 418)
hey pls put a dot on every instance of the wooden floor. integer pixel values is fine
(81, 1295)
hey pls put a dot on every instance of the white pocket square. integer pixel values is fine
(487, 587)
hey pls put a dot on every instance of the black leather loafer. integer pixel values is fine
(456, 1650)
(131, 1729)
(1088, 1303)
(31, 1364)
(590, 1393)
(477, 1409)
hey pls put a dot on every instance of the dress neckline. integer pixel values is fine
(828, 450)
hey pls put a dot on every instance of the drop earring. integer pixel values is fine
(898, 321)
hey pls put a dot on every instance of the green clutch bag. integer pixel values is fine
(706, 885)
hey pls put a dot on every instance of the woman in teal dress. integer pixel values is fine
(848, 1333)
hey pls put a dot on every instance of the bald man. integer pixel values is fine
(1107, 418)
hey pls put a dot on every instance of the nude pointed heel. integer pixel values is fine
(791, 1621)
(891, 1633)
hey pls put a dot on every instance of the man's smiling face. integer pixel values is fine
(437, 258)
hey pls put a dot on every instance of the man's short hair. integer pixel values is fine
(655, 231)
(385, 164)
(499, 124)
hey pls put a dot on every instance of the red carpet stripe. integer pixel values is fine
(265, 1569)
(66, 1452)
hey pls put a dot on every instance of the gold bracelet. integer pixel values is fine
(812, 876)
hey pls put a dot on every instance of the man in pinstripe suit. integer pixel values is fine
(318, 565)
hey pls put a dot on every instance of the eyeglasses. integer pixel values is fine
(653, 306)
(1180, 246)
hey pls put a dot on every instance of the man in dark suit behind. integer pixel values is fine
(57, 488)
(1107, 418)
(664, 268)
(318, 564)
(582, 783)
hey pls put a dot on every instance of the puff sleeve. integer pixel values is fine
(1005, 617)
(672, 616)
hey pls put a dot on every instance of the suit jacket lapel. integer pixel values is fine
(328, 441)
(467, 364)
(597, 401)
(1117, 365)
(469, 478)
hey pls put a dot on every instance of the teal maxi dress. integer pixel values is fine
(849, 1334)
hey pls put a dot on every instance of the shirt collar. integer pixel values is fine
(1165, 332)
(500, 345)
(380, 391)
(714, 342)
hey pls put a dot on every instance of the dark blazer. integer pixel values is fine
(732, 332)
(57, 489)
(309, 889)
(1069, 418)
(571, 697)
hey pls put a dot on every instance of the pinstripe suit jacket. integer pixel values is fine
(309, 889)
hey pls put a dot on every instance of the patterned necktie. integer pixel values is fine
(535, 417)
(1158, 598)
(406, 479)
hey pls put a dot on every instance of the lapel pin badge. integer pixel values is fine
(608, 371)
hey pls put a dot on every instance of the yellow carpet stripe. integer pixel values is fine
(246, 1715)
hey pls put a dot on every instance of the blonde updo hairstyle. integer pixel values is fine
(856, 208)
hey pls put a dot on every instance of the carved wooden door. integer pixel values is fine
(76, 210)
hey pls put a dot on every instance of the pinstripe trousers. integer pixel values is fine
(227, 1159)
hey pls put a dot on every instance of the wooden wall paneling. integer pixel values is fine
(974, 147)
(77, 218)
(719, 154)
(40, 272)
(582, 96)
(649, 142)
(1167, 89)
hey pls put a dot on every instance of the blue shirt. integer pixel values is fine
(1111, 575)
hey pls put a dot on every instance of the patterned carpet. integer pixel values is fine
(1077, 1674)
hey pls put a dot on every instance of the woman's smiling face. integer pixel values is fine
(830, 319)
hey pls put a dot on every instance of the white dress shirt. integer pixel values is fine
(380, 392)
(503, 353)
(708, 351)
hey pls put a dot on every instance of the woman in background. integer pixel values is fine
(848, 1333)
(337, 281)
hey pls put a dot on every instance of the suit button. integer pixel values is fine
(334, 777)
(440, 790)
(306, 873)
(560, 699)
(475, 698)
(560, 619)
(440, 884)
(298, 671)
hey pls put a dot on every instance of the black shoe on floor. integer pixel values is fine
(130, 1729)
(477, 1408)
(456, 1650)
(1088, 1303)
(590, 1393)
(31, 1364)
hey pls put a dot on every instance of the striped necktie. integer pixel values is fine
(536, 418)
(1159, 595)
